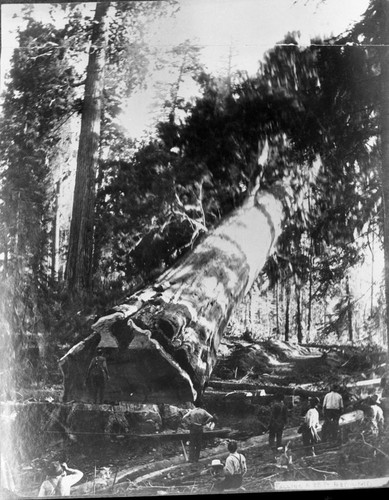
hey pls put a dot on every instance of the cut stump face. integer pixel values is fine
(161, 345)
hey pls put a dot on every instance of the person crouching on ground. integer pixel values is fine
(310, 426)
(196, 419)
(234, 469)
(278, 418)
(58, 481)
(217, 473)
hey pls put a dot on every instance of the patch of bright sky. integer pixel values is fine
(246, 28)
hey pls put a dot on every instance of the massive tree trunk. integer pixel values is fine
(384, 122)
(161, 345)
(79, 262)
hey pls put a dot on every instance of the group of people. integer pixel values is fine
(229, 476)
(226, 476)
(332, 410)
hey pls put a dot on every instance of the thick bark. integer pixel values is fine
(55, 234)
(161, 345)
(287, 307)
(79, 262)
(298, 314)
(384, 122)
(349, 311)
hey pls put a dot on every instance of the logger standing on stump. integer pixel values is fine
(97, 376)
(196, 419)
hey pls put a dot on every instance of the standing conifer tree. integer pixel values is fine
(79, 262)
(384, 123)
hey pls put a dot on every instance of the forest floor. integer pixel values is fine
(113, 466)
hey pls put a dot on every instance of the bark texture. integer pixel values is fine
(384, 123)
(79, 263)
(161, 345)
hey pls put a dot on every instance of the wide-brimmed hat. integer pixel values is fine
(216, 462)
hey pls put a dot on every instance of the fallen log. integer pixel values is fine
(222, 385)
(177, 436)
(161, 345)
(213, 399)
(374, 382)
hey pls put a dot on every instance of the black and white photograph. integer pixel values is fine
(194, 248)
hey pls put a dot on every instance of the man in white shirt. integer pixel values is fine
(373, 417)
(59, 480)
(234, 469)
(310, 427)
(332, 410)
(196, 419)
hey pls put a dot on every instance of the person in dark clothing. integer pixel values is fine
(97, 376)
(278, 419)
(385, 395)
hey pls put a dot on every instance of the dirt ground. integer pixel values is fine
(104, 460)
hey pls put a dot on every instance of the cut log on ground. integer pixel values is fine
(161, 345)
(177, 436)
(222, 385)
(375, 382)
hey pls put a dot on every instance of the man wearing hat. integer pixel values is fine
(97, 376)
(217, 472)
(58, 481)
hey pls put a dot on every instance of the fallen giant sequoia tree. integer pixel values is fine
(161, 345)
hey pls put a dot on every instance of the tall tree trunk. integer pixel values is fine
(162, 344)
(55, 235)
(371, 248)
(349, 311)
(79, 262)
(298, 314)
(384, 122)
(276, 293)
(5, 247)
(287, 308)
